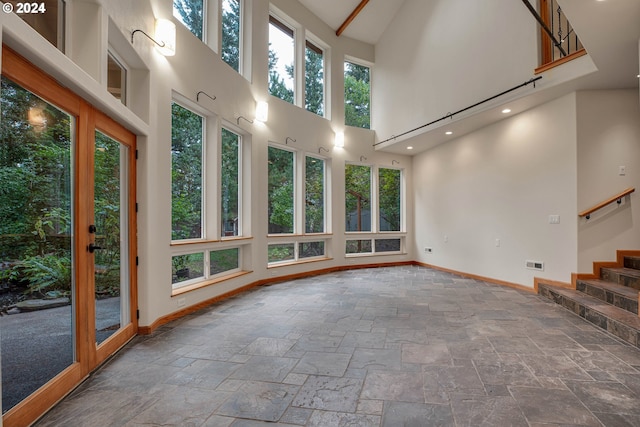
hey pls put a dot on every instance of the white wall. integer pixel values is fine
(440, 56)
(608, 137)
(502, 182)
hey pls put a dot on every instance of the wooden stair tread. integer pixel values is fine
(615, 313)
(625, 291)
(624, 271)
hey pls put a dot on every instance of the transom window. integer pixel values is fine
(47, 17)
(116, 78)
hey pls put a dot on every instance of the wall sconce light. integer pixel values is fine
(165, 37)
(339, 140)
(262, 111)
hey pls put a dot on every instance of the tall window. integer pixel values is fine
(186, 173)
(357, 90)
(191, 14)
(389, 201)
(358, 197)
(314, 195)
(231, 33)
(230, 183)
(281, 191)
(287, 201)
(314, 79)
(281, 60)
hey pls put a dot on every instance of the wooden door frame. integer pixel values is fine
(87, 120)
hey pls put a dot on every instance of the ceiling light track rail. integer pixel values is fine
(450, 115)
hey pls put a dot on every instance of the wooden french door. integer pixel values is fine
(67, 239)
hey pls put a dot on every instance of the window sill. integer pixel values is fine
(370, 254)
(205, 283)
(302, 261)
(298, 236)
(374, 234)
(208, 242)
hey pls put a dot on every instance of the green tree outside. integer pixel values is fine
(186, 173)
(189, 12)
(357, 95)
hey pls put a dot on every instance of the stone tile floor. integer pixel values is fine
(401, 346)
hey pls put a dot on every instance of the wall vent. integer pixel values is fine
(535, 265)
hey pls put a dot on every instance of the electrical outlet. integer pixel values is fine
(446, 238)
(622, 170)
(428, 250)
(181, 302)
(554, 219)
(497, 243)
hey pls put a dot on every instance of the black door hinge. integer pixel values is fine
(136, 207)
(136, 154)
(137, 261)
(138, 314)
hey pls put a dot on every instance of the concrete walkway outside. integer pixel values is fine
(38, 345)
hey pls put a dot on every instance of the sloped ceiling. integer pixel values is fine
(368, 26)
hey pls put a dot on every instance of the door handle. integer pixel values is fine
(92, 248)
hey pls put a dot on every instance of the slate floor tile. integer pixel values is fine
(611, 397)
(416, 415)
(340, 419)
(316, 363)
(259, 401)
(553, 407)
(329, 394)
(264, 368)
(397, 386)
(483, 411)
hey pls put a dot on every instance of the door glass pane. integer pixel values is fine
(111, 208)
(36, 252)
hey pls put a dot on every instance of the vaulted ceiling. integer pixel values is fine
(368, 26)
(609, 30)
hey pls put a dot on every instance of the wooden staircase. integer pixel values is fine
(608, 298)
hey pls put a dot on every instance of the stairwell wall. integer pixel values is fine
(608, 128)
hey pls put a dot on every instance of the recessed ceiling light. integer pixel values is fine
(506, 111)
(410, 148)
(448, 132)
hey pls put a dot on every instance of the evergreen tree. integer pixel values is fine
(231, 33)
(357, 95)
(314, 82)
(190, 13)
(277, 86)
